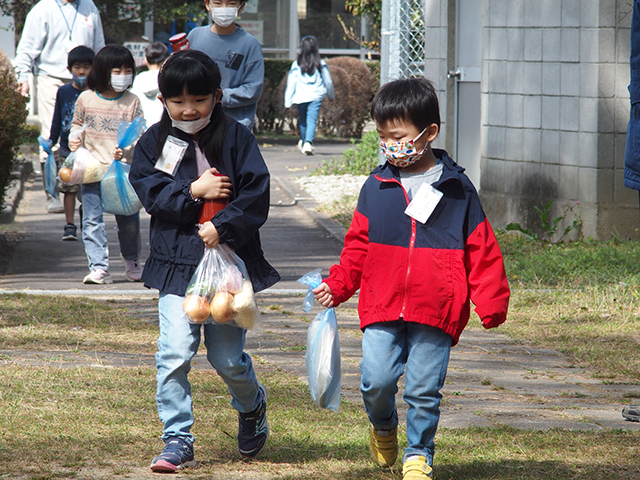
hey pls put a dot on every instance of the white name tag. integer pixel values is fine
(172, 153)
(424, 203)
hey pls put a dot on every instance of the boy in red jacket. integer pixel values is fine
(420, 249)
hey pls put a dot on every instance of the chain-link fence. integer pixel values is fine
(403, 39)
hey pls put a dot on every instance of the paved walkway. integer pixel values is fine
(492, 380)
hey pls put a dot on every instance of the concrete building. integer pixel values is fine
(536, 101)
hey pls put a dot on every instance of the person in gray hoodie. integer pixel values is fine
(145, 85)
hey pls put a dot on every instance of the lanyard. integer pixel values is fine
(70, 28)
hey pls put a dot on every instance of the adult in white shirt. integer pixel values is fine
(51, 30)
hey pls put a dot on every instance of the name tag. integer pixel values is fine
(424, 203)
(172, 153)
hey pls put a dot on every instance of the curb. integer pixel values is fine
(309, 205)
(13, 194)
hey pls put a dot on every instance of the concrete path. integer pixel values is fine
(492, 380)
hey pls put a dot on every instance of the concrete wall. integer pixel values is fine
(555, 108)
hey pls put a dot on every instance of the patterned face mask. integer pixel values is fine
(402, 154)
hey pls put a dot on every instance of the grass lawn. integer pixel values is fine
(580, 298)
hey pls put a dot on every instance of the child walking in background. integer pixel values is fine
(145, 85)
(419, 248)
(101, 110)
(79, 62)
(309, 81)
(214, 157)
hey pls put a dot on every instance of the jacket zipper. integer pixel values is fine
(412, 243)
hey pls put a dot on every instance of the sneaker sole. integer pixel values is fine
(69, 239)
(631, 418)
(162, 466)
(91, 281)
(133, 279)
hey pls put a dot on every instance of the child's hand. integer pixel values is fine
(211, 185)
(74, 144)
(209, 234)
(323, 295)
(118, 153)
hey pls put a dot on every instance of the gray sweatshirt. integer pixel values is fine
(239, 57)
(52, 28)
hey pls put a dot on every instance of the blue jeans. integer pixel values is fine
(389, 347)
(308, 117)
(94, 233)
(177, 344)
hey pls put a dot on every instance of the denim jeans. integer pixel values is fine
(94, 233)
(389, 347)
(308, 117)
(177, 344)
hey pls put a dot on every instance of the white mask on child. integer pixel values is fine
(224, 16)
(191, 127)
(120, 83)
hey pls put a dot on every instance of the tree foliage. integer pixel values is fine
(370, 9)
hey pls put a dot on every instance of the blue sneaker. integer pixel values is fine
(177, 454)
(253, 429)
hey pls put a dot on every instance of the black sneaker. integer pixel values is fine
(70, 233)
(253, 429)
(177, 454)
(631, 412)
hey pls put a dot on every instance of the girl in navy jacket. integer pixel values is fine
(196, 153)
(420, 250)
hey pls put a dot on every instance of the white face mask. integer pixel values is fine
(191, 127)
(224, 16)
(120, 83)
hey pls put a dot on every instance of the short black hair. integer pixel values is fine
(411, 100)
(80, 54)
(156, 53)
(107, 58)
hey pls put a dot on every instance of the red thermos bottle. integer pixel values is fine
(211, 207)
(179, 42)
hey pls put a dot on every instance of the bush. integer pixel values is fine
(345, 116)
(359, 159)
(13, 113)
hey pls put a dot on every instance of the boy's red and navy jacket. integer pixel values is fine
(425, 273)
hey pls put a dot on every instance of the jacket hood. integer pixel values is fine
(147, 83)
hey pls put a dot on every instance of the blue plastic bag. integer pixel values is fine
(323, 349)
(313, 279)
(129, 132)
(323, 360)
(50, 171)
(118, 196)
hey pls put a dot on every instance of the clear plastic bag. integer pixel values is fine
(323, 360)
(50, 171)
(323, 349)
(118, 196)
(220, 291)
(313, 279)
(85, 168)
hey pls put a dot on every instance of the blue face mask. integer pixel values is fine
(80, 81)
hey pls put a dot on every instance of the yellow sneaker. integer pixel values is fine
(416, 468)
(384, 446)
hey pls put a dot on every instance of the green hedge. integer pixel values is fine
(13, 113)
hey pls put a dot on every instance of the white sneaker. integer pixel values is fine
(98, 277)
(307, 148)
(54, 205)
(133, 270)
(300, 145)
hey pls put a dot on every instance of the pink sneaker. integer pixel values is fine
(133, 270)
(98, 277)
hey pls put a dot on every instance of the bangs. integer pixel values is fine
(198, 75)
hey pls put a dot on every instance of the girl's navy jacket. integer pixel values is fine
(425, 273)
(176, 248)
